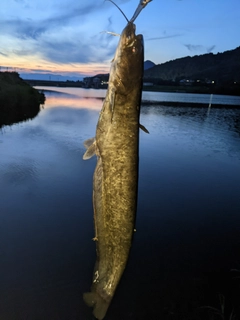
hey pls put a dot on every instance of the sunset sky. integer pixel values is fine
(65, 37)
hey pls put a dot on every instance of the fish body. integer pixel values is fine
(115, 181)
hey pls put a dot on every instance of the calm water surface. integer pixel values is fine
(188, 220)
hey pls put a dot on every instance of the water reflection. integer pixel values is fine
(188, 218)
(197, 123)
(192, 98)
(56, 100)
(154, 96)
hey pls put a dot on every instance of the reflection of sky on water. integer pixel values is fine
(44, 152)
(188, 214)
(80, 92)
(191, 97)
(73, 102)
(195, 129)
(153, 96)
(43, 184)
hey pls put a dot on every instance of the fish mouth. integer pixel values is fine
(128, 34)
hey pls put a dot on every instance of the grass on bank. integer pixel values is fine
(18, 100)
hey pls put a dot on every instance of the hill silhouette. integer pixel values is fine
(222, 68)
(148, 64)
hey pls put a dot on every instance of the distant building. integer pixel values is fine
(186, 82)
(87, 82)
(96, 82)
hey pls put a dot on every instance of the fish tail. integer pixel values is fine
(92, 299)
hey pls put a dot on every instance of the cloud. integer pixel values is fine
(64, 36)
(164, 37)
(210, 49)
(109, 23)
(3, 54)
(33, 28)
(192, 47)
(22, 52)
(23, 29)
(61, 51)
(98, 48)
(199, 48)
(39, 70)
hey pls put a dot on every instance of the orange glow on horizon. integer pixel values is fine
(33, 65)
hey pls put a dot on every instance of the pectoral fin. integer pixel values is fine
(87, 143)
(90, 144)
(143, 128)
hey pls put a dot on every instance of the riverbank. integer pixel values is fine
(176, 88)
(173, 99)
(188, 104)
(18, 100)
(233, 90)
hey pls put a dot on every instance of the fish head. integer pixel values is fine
(130, 40)
(128, 60)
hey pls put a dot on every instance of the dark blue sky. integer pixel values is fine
(64, 36)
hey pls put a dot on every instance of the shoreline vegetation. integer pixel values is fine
(18, 100)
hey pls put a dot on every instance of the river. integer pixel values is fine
(188, 220)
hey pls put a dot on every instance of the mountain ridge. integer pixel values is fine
(221, 67)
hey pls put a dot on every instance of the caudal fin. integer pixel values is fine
(100, 306)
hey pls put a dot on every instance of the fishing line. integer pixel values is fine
(119, 9)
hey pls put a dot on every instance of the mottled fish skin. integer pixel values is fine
(115, 181)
